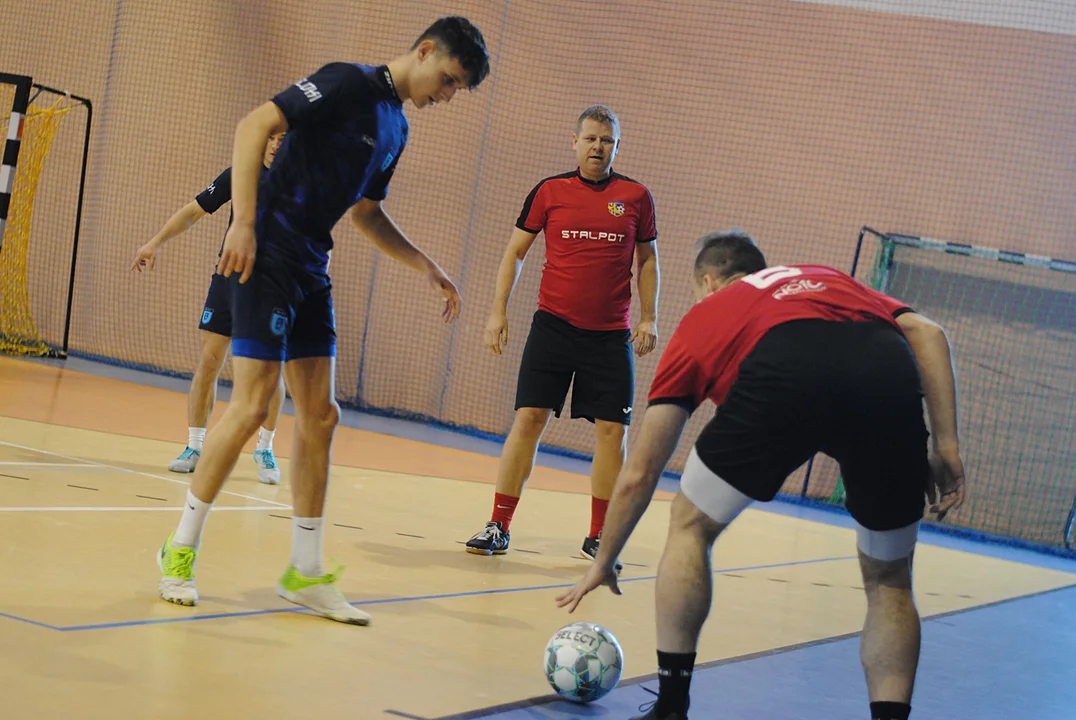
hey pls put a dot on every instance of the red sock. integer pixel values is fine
(597, 515)
(504, 506)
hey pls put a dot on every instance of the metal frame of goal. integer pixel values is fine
(26, 91)
(884, 263)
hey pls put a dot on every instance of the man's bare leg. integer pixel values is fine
(264, 457)
(311, 381)
(255, 381)
(520, 450)
(683, 595)
(201, 398)
(889, 646)
(275, 404)
(316, 417)
(253, 386)
(515, 468)
(609, 453)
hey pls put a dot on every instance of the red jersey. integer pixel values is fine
(590, 233)
(703, 356)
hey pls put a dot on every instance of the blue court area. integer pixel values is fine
(1014, 659)
(1008, 661)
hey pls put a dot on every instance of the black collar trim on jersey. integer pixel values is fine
(579, 175)
(384, 70)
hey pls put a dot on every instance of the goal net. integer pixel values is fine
(1011, 321)
(30, 120)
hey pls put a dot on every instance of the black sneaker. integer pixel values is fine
(491, 541)
(590, 551)
(652, 714)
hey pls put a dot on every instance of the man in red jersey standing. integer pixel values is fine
(596, 223)
(799, 360)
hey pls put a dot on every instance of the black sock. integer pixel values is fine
(890, 711)
(674, 681)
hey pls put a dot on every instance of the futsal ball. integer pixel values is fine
(583, 662)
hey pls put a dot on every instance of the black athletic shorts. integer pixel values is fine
(849, 390)
(600, 361)
(217, 312)
(282, 313)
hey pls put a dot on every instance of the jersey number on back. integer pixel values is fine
(771, 276)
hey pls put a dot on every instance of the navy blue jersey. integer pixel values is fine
(346, 131)
(218, 193)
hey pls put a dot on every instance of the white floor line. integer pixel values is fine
(126, 508)
(52, 465)
(138, 472)
(58, 470)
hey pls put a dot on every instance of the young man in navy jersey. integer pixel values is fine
(216, 327)
(596, 222)
(346, 130)
(799, 360)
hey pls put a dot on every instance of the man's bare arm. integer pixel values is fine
(519, 244)
(931, 348)
(370, 219)
(180, 222)
(251, 136)
(649, 281)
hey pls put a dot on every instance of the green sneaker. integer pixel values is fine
(320, 595)
(177, 573)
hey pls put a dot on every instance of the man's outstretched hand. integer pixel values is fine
(451, 296)
(596, 576)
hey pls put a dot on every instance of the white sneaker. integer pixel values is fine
(320, 595)
(268, 472)
(186, 462)
(177, 573)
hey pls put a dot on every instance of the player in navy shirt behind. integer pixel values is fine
(345, 132)
(216, 327)
(799, 360)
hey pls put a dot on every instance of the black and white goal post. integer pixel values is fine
(12, 141)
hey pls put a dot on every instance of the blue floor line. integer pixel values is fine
(389, 601)
(28, 621)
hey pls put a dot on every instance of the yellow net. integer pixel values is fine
(18, 332)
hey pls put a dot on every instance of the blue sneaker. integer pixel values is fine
(186, 461)
(268, 472)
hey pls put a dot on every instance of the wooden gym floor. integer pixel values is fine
(85, 502)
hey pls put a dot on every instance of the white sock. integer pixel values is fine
(195, 512)
(195, 438)
(306, 546)
(265, 439)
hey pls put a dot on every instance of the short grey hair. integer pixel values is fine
(602, 114)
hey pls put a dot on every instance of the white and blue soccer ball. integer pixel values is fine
(583, 662)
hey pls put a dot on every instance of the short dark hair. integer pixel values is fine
(728, 253)
(599, 113)
(461, 39)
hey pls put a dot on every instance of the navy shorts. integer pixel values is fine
(282, 313)
(217, 312)
(597, 364)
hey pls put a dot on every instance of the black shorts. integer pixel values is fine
(282, 313)
(849, 390)
(600, 361)
(217, 312)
